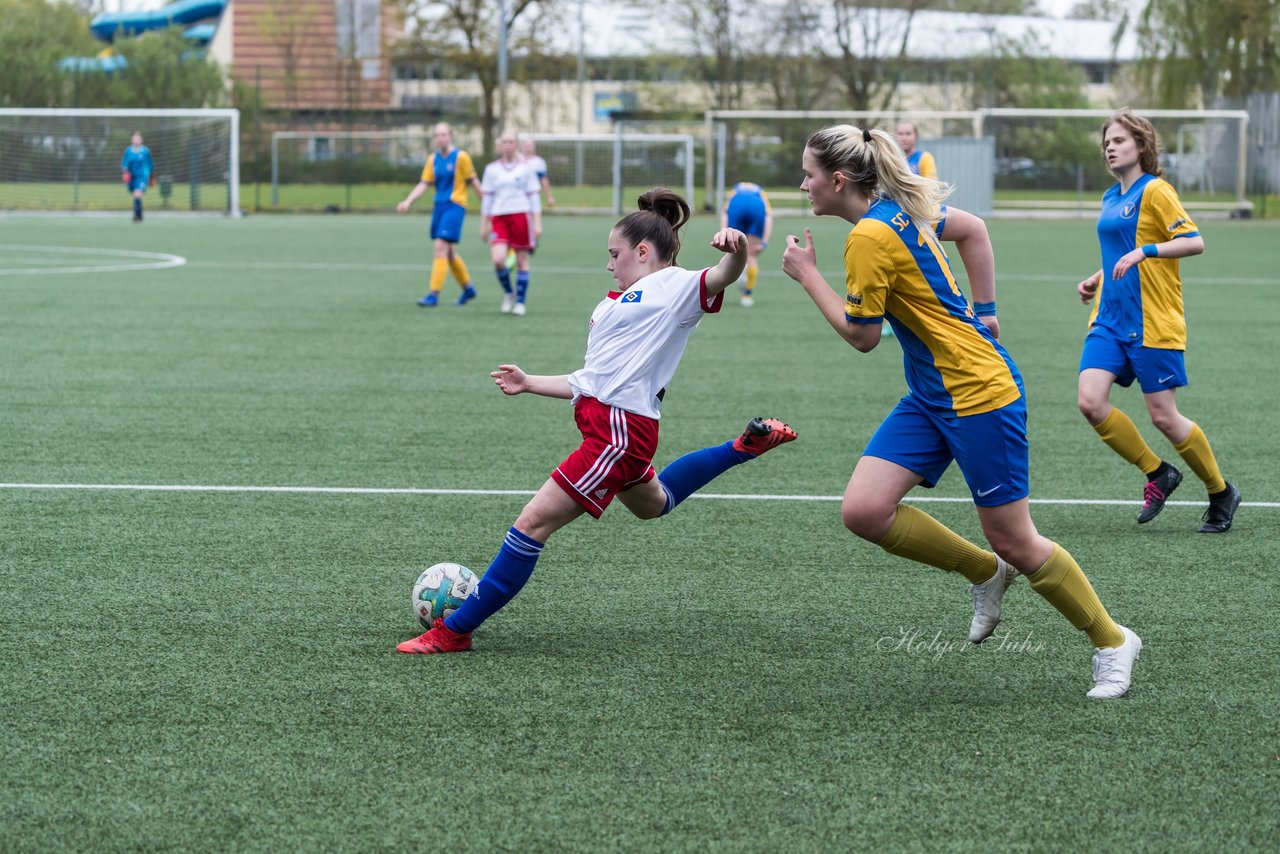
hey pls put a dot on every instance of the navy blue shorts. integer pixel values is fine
(991, 448)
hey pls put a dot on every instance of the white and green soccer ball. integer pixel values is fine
(440, 590)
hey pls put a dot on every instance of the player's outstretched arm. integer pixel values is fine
(733, 244)
(511, 379)
(801, 263)
(414, 195)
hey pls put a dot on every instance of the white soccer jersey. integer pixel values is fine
(637, 338)
(539, 166)
(509, 188)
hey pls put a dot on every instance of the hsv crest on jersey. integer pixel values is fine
(632, 296)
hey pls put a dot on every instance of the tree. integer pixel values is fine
(164, 71)
(1192, 52)
(35, 36)
(872, 40)
(464, 34)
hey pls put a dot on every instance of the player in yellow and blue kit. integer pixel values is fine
(747, 209)
(920, 162)
(450, 170)
(1138, 329)
(965, 401)
(136, 167)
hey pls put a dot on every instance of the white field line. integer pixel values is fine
(137, 260)
(369, 490)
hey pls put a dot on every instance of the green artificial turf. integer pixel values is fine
(214, 670)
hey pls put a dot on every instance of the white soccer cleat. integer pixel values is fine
(987, 598)
(518, 309)
(1113, 668)
(748, 301)
(508, 302)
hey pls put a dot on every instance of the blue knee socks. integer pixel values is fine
(508, 573)
(693, 471)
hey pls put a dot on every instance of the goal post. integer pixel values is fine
(68, 160)
(371, 170)
(1042, 160)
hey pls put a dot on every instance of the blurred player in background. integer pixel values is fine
(965, 398)
(1138, 329)
(529, 154)
(747, 209)
(920, 162)
(451, 171)
(636, 339)
(511, 219)
(137, 167)
(528, 150)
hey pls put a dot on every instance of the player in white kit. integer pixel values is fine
(637, 335)
(510, 219)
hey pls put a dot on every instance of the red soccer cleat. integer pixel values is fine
(762, 434)
(440, 638)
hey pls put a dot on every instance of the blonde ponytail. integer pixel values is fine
(874, 162)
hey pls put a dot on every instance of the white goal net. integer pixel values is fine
(372, 170)
(69, 160)
(1002, 161)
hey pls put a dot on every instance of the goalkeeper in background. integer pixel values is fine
(137, 166)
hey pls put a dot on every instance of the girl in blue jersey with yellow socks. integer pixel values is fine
(965, 400)
(1138, 329)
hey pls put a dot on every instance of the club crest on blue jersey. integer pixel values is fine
(632, 296)
(1128, 210)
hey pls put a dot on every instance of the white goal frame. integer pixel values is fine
(231, 115)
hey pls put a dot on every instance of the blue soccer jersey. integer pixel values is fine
(1145, 305)
(897, 272)
(137, 162)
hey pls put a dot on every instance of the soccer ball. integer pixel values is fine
(439, 591)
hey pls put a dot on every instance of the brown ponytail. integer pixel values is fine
(661, 214)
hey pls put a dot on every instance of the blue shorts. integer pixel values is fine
(990, 449)
(1154, 369)
(747, 214)
(139, 183)
(446, 221)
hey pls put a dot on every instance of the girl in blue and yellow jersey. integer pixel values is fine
(918, 161)
(747, 209)
(1138, 329)
(450, 170)
(136, 167)
(965, 400)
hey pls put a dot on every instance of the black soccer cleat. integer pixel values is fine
(1157, 492)
(1222, 510)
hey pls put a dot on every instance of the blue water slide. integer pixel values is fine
(110, 24)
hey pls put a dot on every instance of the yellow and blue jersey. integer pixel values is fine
(450, 174)
(1145, 306)
(898, 272)
(921, 163)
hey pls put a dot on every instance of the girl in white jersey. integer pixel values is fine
(637, 335)
(510, 218)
